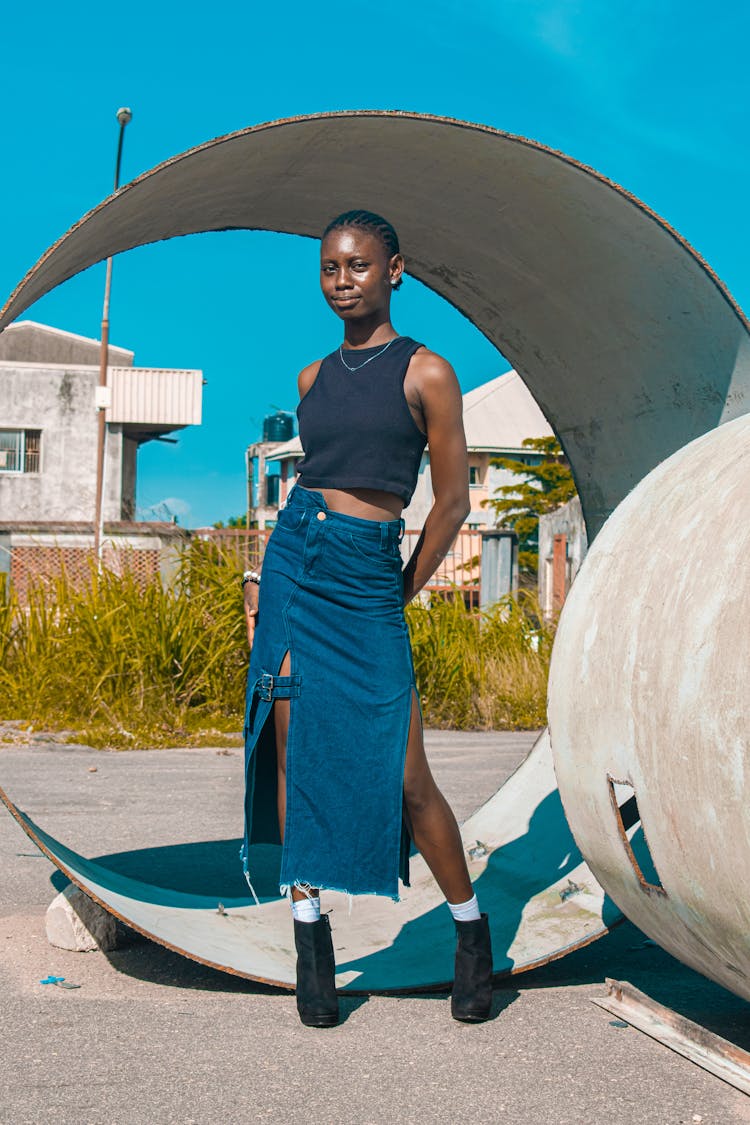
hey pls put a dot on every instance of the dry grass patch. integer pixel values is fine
(481, 670)
(121, 664)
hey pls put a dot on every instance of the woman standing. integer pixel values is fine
(331, 682)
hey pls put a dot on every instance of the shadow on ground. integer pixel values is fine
(627, 954)
(211, 869)
(623, 954)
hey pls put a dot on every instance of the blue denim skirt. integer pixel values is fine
(332, 597)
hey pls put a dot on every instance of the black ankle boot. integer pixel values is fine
(317, 1003)
(471, 997)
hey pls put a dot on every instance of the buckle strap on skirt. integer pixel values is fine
(269, 687)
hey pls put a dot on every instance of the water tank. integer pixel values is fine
(278, 426)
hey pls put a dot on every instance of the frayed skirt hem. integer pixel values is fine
(285, 890)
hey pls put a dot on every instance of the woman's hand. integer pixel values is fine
(251, 610)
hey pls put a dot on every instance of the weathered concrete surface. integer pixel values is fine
(541, 898)
(627, 341)
(568, 521)
(150, 1036)
(59, 401)
(649, 685)
(155, 808)
(48, 380)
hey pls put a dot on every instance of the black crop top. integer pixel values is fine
(356, 427)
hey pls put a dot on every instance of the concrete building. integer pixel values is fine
(498, 416)
(562, 548)
(48, 439)
(48, 423)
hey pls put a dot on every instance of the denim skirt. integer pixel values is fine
(332, 597)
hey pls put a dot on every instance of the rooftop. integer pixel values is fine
(500, 414)
(27, 341)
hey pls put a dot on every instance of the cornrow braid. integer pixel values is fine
(374, 224)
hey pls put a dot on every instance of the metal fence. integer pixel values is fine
(458, 573)
(247, 546)
(36, 556)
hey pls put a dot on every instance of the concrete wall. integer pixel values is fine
(490, 479)
(567, 521)
(129, 476)
(59, 401)
(418, 509)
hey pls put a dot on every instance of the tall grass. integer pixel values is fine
(481, 670)
(119, 663)
(127, 664)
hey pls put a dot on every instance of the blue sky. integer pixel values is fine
(655, 96)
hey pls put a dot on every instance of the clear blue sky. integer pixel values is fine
(654, 95)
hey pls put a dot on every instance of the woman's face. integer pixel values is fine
(356, 272)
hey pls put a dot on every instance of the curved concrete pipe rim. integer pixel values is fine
(605, 341)
(9, 312)
(383, 948)
(595, 300)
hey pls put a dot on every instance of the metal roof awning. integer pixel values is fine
(155, 396)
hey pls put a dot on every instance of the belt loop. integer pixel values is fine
(401, 530)
(383, 536)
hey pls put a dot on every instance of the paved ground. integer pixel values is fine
(153, 1038)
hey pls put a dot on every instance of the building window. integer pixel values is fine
(19, 451)
(474, 475)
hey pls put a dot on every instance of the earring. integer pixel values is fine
(393, 281)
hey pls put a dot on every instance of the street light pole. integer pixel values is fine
(124, 115)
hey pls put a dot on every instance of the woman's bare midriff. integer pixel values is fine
(364, 503)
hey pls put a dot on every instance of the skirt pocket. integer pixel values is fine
(291, 519)
(386, 555)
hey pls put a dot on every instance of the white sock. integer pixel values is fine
(465, 911)
(306, 910)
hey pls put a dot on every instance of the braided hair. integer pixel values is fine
(373, 224)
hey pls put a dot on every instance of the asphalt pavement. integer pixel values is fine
(151, 1037)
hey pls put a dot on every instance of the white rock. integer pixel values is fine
(74, 921)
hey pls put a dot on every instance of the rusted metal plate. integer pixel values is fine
(524, 876)
(717, 1055)
(626, 339)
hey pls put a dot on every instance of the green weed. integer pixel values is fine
(121, 663)
(128, 664)
(481, 670)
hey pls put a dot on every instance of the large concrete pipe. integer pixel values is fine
(626, 339)
(649, 692)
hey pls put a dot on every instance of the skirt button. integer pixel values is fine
(321, 515)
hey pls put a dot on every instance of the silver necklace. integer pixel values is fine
(372, 357)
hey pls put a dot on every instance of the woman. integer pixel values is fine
(331, 682)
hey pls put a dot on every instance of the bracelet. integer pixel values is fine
(250, 576)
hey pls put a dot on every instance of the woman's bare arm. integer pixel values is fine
(307, 377)
(434, 380)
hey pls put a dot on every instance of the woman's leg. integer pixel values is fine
(435, 832)
(431, 821)
(281, 709)
(317, 1002)
(316, 987)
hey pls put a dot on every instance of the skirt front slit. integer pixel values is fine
(331, 596)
